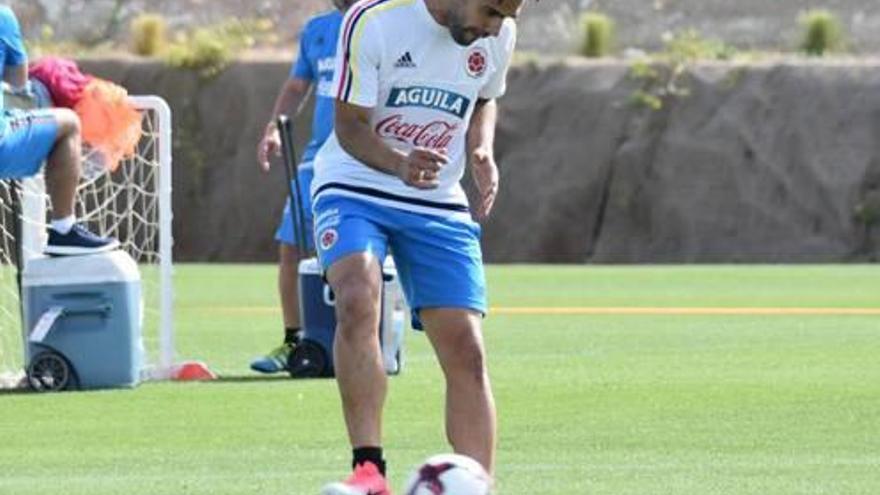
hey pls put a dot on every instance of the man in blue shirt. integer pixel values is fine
(313, 67)
(53, 135)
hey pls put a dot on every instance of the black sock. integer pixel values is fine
(292, 335)
(372, 454)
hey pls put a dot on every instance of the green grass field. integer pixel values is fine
(593, 401)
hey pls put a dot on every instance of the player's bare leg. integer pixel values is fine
(470, 407)
(63, 164)
(356, 281)
(62, 175)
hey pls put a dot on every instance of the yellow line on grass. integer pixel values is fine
(659, 311)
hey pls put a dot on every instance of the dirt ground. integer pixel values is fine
(547, 26)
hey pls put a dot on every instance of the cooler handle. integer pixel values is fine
(98, 309)
(47, 320)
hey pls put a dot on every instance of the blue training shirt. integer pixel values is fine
(315, 62)
(12, 53)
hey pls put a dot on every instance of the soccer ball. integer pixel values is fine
(449, 474)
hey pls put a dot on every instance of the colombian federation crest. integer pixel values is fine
(328, 239)
(477, 60)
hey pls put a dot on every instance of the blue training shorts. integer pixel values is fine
(438, 259)
(28, 140)
(285, 233)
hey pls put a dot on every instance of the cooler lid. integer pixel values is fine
(113, 266)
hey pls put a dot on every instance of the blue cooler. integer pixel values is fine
(82, 321)
(313, 357)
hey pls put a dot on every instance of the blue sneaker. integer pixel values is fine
(275, 361)
(78, 241)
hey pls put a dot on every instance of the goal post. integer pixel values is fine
(166, 355)
(132, 203)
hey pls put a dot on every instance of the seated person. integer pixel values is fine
(28, 138)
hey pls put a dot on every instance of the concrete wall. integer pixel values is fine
(773, 162)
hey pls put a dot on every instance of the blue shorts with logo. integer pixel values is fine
(286, 233)
(439, 261)
(28, 140)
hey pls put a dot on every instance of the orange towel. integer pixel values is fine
(110, 123)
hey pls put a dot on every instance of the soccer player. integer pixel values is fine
(29, 138)
(313, 67)
(415, 86)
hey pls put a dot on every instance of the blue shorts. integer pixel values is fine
(286, 233)
(439, 261)
(28, 140)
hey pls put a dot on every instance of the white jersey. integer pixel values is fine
(422, 86)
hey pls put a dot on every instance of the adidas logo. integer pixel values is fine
(405, 62)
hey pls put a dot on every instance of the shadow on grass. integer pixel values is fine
(261, 378)
(24, 390)
(15, 391)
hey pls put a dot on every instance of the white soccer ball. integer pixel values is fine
(449, 474)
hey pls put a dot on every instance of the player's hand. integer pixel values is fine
(269, 145)
(421, 168)
(485, 174)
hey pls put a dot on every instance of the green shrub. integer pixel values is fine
(641, 98)
(209, 50)
(598, 35)
(822, 32)
(201, 51)
(665, 75)
(868, 210)
(148, 35)
(690, 46)
(46, 44)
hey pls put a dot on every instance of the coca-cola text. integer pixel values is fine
(434, 135)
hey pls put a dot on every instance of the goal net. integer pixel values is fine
(131, 203)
